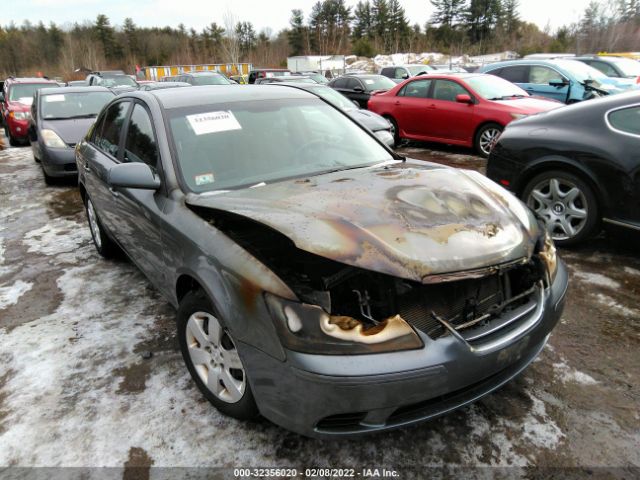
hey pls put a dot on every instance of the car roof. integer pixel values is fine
(29, 80)
(198, 74)
(189, 97)
(78, 89)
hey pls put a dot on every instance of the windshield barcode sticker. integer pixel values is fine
(213, 122)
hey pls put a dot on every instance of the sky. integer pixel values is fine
(272, 14)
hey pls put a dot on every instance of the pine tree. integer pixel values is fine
(105, 34)
(448, 12)
(296, 35)
(363, 20)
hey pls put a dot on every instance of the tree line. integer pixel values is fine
(368, 28)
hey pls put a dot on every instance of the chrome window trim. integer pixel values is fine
(612, 128)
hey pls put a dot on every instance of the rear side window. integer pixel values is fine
(626, 120)
(107, 137)
(605, 68)
(340, 83)
(515, 74)
(387, 72)
(416, 89)
(141, 145)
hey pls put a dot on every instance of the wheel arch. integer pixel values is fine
(565, 164)
(187, 283)
(485, 123)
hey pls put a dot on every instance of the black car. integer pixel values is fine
(575, 167)
(60, 117)
(360, 87)
(285, 78)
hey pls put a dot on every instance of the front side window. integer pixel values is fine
(605, 68)
(626, 120)
(542, 75)
(448, 90)
(240, 144)
(141, 145)
(107, 138)
(340, 83)
(352, 84)
(417, 89)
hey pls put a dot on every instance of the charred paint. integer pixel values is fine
(406, 220)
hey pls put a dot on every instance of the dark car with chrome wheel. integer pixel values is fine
(577, 167)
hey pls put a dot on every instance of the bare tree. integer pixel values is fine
(231, 39)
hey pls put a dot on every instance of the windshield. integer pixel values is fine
(73, 105)
(118, 81)
(335, 97)
(491, 87)
(296, 79)
(210, 80)
(581, 71)
(378, 82)
(318, 78)
(240, 144)
(630, 68)
(416, 69)
(23, 92)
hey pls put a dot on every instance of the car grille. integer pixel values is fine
(468, 304)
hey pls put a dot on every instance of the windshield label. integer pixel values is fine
(213, 122)
(204, 179)
(54, 98)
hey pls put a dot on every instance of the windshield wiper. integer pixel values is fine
(86, 115)
(507, 97)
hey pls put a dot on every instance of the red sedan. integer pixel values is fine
(463, 109)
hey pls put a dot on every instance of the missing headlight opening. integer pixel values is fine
(370, 308)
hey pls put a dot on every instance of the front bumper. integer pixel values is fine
(58, 162)
(19, 129)
(324, 396)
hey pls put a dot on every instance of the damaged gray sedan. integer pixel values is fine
(321, 280)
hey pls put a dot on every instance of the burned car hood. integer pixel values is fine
(410, 220)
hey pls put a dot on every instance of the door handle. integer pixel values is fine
(397, 102)
(114, 192)
(432, 106)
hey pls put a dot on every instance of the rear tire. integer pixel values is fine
(212, 359)
(106, 247)
(566, 204)
(486, 137)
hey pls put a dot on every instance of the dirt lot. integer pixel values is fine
(90, 374)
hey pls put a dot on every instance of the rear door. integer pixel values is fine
(449, 119)
(104, 152)
(518, 74)
(411, 109)
(139, 211)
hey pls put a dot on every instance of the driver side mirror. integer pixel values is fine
(463, 98)
(133, 175)
(405, 76)
(558, 82)
(358, 89)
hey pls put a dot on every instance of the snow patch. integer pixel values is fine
(596, 279)
(58, 236)
(11, 294)
(611, 303)
(568, 374)
(632, 271)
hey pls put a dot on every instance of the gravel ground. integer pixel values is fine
(90, 373)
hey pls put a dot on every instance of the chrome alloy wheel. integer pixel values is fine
(488, 139)
(561, 205)
(93, 224)
(215, 357)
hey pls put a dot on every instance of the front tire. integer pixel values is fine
(103, 243)
(394, 131)
(565, 203)
(212, 358)
(486, 137)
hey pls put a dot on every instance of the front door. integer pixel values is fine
(452, 120)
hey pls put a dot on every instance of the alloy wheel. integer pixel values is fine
(561, 205)
(215, 357)
(488, 139)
